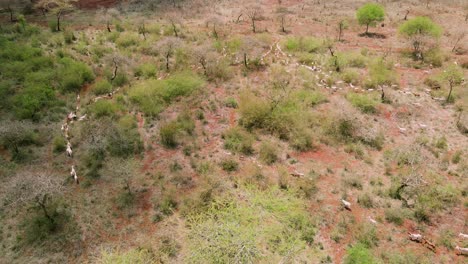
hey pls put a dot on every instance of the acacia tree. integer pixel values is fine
(167, 47)
(254, 13)
(38, 189)
(342, 25)
(56, 7)
(369, 14)
(454, 76)
(420, 31)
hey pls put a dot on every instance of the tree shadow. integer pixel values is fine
(373, 35)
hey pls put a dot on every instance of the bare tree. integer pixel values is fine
(13, 135)
(57, 7)
(254, 13)
(38, 188)
(167, 47)
(459, 36)
(342, 25)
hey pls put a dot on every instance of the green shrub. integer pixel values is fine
(235, 230)
(457, 157)
(125, 200)
(303, 44)
(38, 227)
(103, 108)
(231, 102)
(146, 70)
(124, 140)
(69, 37)
(238, 140)
(170, 131)
(365, 200)
(126, 40)
(395, 215)
(138, 256)
(229, 165)
(32, 101)
(381, 73)
(310, 98)
(120, 79)
(268, 153)
(94, 160)
(301, 140)
(168, 134)
(102, 87)
(73, 75)
(365, 103)
(367, 235)
(351, 76)
(59, 144)
(419, 31)
(153, 95)
(446, 239)
(359, 254)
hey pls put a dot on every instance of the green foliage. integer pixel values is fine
(103, 108)
(268, 153)
(136, 256)
(59, 143)
(238, 140)
(303, 44)
(102, 87)
(229, 165)
(351, 76)
(366, 200)
(126, 40)
(31, 101)
(367, 235)
(359, 254)
(365, 103)
(73, 75)
(38, 227)
(94, 160)
(152, 96)
(232, 231)
(146, 70)
(125, 199)
(310, 98)
(124, 140)
(422, 26)
(381, 73)
(395, 215)
(231, 102)
(369, 14)
(171, 131)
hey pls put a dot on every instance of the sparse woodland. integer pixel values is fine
(195, 131)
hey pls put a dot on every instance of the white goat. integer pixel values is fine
(463, 235)
(73, 174)
(69, 149)
(415, 237)
(461, 251)
(346, 204)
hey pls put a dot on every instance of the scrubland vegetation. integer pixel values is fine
(190, 131)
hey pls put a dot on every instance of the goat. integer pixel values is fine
(71, 116)
(346, 204)
(73, 174)
(416, 237)
(69, 149)
(82, 117)
(463, 235)
(372, 220)
(461, 251)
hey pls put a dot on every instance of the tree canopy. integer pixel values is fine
(369, 14)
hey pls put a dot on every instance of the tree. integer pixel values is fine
(56, 7)
(369, 14)
(342, 25)
(420, 30)
(37, 188)
(167, 47)
(454, 76)
(14, 135)
(254, 13)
